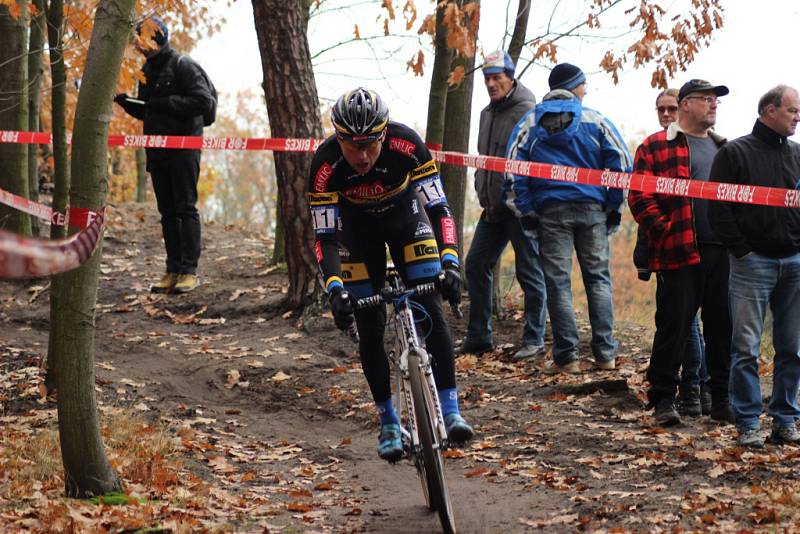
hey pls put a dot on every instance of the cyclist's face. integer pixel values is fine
(361, 156)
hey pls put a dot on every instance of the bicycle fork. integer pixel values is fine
(405, 384)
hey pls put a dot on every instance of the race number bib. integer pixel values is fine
(324, 218)
(431, 192)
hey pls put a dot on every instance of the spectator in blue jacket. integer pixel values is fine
(569, 215)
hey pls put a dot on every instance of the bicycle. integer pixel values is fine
(424, 433)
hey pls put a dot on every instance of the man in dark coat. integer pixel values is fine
(172, 101)
(497, 225)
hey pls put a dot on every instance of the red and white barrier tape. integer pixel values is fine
(75, 217)
(759, 195)
(22, 257)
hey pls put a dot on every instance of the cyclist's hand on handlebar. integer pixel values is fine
(449, 282)
(342, 308)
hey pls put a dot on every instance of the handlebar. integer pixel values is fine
(394, 291)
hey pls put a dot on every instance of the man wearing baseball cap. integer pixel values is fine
(690, 261)
(497, 225)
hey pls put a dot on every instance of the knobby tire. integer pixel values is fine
(438, 496)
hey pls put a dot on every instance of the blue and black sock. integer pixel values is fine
(448, 398)
(386, 412)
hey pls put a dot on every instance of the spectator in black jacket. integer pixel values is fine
(172, 101)
(764, 247)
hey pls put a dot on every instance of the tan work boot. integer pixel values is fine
(185, 283)
(606, 366)
(551, 368)
(166, 283)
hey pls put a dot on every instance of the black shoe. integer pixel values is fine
(721, 412)
(705, 398)
(470, 347)
(665, 414)
(689, 402)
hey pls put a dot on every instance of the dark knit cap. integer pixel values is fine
(161, 35)
(566, 76)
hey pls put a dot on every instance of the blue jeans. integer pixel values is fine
(487, 244)
(693, 368)
(756, 281)
(582, 226)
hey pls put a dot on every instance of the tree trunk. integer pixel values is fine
(279, 247)
(87, 471)
(14, 113)
(35, 51)
(293, 108)
(437, 98)
(141, 175)
(456, 138)
(58, 102)
(520, 29)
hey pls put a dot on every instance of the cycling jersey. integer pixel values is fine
(403, 181)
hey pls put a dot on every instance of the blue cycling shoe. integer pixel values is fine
(390, 443)
(458, 431)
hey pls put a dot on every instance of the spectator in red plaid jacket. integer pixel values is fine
(690, 262)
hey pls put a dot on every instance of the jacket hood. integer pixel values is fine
(558, 117)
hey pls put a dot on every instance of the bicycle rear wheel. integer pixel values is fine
(438, 496)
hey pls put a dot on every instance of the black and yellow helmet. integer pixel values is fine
(360, 116)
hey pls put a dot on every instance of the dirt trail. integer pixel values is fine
(552, 453)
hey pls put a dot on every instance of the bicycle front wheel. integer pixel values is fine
(438, 496)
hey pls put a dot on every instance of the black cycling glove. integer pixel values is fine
(450, 282)
(342, 308)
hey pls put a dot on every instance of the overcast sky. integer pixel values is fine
(753, 52)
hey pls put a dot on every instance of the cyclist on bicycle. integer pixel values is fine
(374, 183)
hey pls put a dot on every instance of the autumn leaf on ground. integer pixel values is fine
(280, 376)
(233, 378)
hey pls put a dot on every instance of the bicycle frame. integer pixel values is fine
(424, 433)
(407, 341)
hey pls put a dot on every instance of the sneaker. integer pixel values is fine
(527, 352)
(569, 368)
(470, 347)
(722, 413)
(689, 401)
(390, 443)
(665, 414)
(610, 365)
(751, 438)
(185, 283)
(165, 284)
(782, 435)
(458, 430)
(705, 398)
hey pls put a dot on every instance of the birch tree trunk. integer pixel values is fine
(58, 102)
(141, 175)
(35, 52)
(87, 471)
(458, 113)
(14, 113)
(437, 98)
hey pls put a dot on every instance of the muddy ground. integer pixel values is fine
(552, 453)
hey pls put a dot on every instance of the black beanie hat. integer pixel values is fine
(161, 35)
(566, 76)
